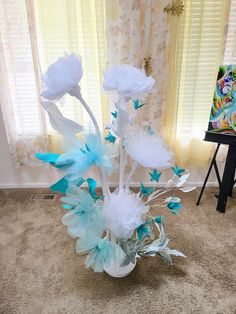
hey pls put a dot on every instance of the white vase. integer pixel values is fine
(115, 270)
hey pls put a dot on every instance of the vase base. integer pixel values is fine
(115, 270)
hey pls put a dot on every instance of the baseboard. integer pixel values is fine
(37, 185)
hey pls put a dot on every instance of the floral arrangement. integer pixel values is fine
(115, 228)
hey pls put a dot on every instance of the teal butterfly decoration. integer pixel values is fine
(145, 191)
(110, 138)
(115, 114)
(92, 189)
(137, 105)
(155, 175)
(178, 171)
(174, 207)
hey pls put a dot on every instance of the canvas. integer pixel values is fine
(223, 110)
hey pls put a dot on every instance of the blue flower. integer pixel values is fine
(93, 152)
(84, 214)
(101, 251)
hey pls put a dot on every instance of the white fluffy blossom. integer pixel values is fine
(123, 213)
(148, 150)
(128, 81)
(62, 76)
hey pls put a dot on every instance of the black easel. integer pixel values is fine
(228, 181)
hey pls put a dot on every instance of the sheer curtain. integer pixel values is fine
(186, 51)
(201, 46)
(138, 29)
(19, 91)
(76, 26)
(34, 33)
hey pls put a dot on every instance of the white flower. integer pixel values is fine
(128, 81)
(62, 76)
(148, 150)
(123, 213)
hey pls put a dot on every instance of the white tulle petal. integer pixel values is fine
(127, 81)
(148, 150)
(62, 76)
(123, 213)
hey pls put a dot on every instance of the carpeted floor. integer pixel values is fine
(41, 273)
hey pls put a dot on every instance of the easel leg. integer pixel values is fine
(228, 177)
(232, 186)
(208, 173)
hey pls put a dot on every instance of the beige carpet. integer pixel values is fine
(40, 272)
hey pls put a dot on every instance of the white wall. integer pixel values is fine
(44, 176)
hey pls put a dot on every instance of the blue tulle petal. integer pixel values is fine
(101, 251)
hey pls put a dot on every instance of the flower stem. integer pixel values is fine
(76, 93)
(130, 175)
(122, 164)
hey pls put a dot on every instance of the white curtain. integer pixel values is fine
(19, 89)
(33, 34)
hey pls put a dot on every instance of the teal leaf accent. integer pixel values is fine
(137, 105)
(62, 185)
(67, 206)
(174, 207)
(110, 138)
(144, 230)
(159, 219)
(155, 175)
(52, 159)
(92, 189)
(144, 191)
(151, 131)
(115, 114)
(178, 171)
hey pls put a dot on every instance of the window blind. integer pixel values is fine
(19, 95)
(230, 48)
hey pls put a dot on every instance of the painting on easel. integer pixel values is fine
(223, 110)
